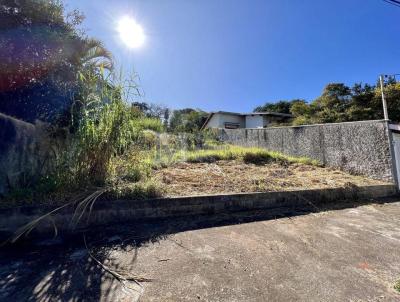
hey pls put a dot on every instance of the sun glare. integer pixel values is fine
(130, 32)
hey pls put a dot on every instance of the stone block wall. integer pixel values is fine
(356, 147)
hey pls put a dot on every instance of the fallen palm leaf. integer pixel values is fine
(82, 206)
(78, 213)
(120, 276)
(27, 228)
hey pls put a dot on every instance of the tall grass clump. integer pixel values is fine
(104, 128)
(102, 122)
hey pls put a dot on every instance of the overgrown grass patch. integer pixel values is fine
(148, 123)
(248, 155)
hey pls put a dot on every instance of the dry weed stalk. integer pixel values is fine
(76, 218)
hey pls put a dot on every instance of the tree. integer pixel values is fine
(340, 103)
(302, 112)
(187, 120)
(300, 108)
(280, 106)
(362, 106)
(142, 107)
(333, 103)
(166, 118)
(392, 94)
(93, 56)
(151, 110)
(42, 52)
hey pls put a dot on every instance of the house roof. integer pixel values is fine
(394, 127)
(268, 113)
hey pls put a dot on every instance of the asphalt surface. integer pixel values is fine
(350, 254)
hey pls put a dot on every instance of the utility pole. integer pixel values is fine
(385, 112)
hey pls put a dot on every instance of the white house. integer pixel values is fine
(232, 120)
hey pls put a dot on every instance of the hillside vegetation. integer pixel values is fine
(340, 103)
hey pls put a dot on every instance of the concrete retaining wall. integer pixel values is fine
(27, 152)
(356, 147)
(114, 212)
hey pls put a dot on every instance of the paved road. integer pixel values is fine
(338, 255)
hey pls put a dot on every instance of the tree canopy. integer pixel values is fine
(187, 120)
(279, 106)
(42, 52)
(340, 103)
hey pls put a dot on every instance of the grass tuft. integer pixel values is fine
(397, 286)
(135, 191)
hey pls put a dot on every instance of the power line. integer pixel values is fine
(391, 75)
(393, 2)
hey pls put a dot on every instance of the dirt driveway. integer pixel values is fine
(337, 255)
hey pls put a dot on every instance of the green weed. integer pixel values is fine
(139, 190)
(397, 286)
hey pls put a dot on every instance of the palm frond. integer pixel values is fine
(94, 54)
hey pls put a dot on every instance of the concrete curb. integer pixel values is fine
(114, 212)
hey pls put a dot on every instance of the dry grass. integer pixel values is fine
(235, 176)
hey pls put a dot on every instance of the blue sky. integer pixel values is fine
(237, 54)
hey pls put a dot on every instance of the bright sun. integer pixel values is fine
(130, 32)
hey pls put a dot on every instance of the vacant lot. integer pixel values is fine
(233, 176)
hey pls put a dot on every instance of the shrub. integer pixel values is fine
(139, 190)
(257, 158)
(147, 123)
(149, 139)
(133, 174)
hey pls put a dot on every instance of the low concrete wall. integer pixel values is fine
(112, 212)
(26, 152)
(356, 147)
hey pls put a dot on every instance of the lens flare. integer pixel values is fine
(130, 32)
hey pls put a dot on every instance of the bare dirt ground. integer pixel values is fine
(236, 177)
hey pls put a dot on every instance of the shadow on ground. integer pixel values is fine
(67, 269)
